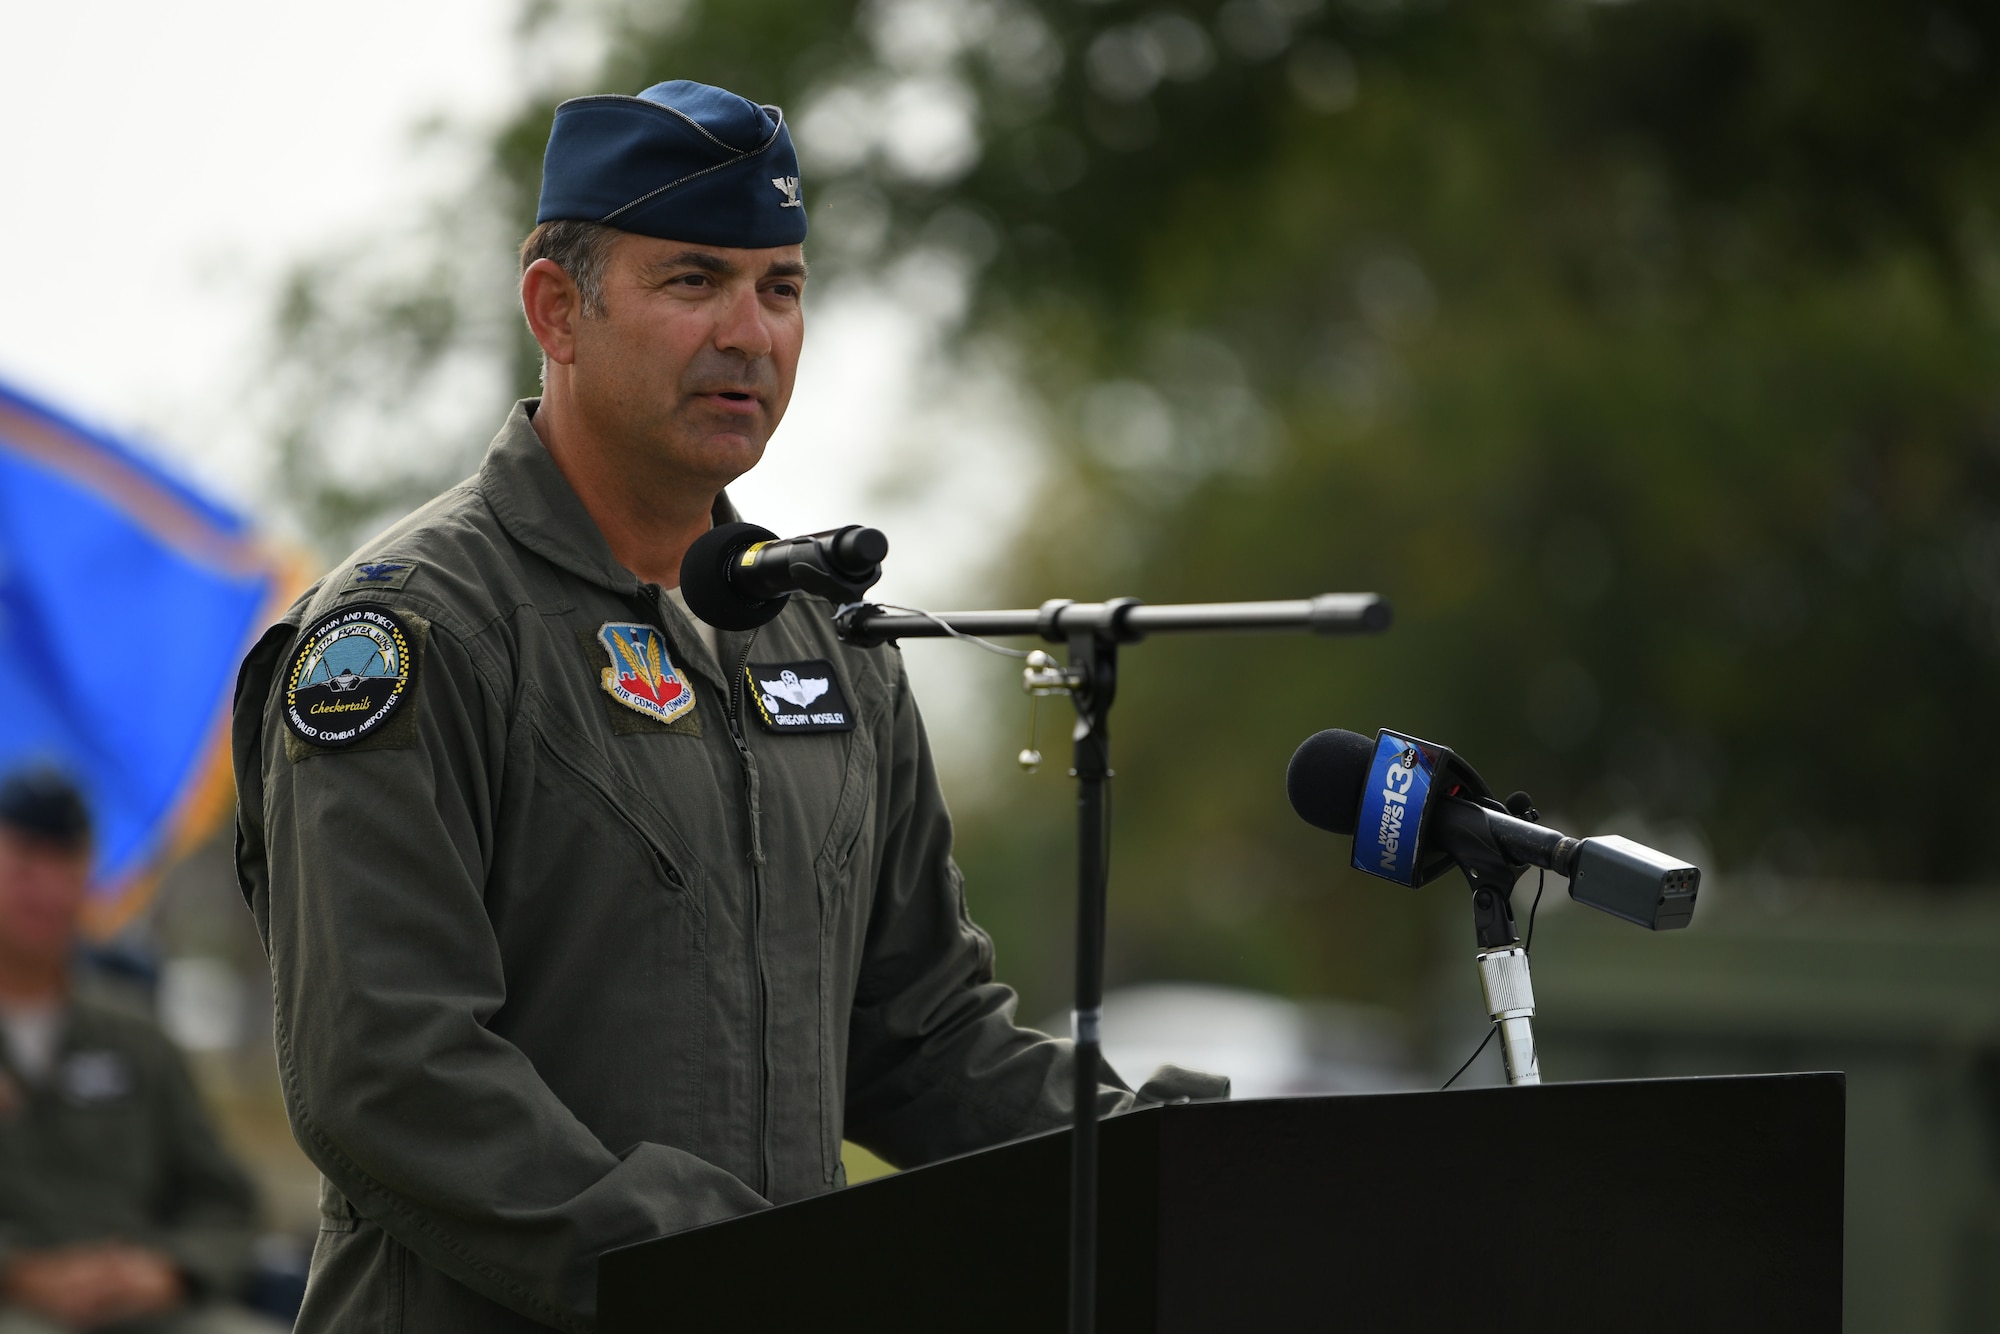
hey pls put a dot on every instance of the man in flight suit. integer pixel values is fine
(574, 941)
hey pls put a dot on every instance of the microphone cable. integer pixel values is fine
(942, 624)
(1491, 1029)
(1541, 883)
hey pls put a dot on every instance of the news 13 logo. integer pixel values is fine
(1392, 808)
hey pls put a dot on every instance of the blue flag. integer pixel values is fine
(126, 602)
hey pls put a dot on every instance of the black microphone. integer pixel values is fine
(1415, 810)
(738, 576)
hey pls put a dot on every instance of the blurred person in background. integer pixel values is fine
(119, 1208)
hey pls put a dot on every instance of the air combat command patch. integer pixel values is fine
(350, 674)
(799, 697)
(641, 676)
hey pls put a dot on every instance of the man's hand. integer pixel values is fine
(95, 1284)
(1170, 1084)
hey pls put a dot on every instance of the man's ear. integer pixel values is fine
(553, 306)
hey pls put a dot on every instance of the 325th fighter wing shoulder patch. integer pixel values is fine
(798, 697)
(351, 673)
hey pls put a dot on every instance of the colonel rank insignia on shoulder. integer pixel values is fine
(349, 676)
(641, 675)
(380, 574)
(799, 697)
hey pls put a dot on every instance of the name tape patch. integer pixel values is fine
(798, 697)
(349, 676)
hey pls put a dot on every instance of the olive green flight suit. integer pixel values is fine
(552, 976)
(113, 1144)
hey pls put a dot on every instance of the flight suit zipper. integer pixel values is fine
(753, 807)
(752, 788)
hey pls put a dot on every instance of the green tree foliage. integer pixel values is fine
(1644, 354)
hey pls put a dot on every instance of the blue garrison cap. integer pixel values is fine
(682, 161)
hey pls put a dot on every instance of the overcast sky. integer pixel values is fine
(162, 164)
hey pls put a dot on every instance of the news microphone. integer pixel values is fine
(1415, 810)
(738, 576)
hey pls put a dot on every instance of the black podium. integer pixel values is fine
(1680, 1204)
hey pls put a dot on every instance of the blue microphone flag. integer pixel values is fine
(1388, 830)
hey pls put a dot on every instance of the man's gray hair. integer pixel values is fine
(580, 249)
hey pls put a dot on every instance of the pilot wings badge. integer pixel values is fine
(641, 676)
(798, 697)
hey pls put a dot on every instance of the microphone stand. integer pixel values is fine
(1482, 854)
(1093, 633)
(1503, 978)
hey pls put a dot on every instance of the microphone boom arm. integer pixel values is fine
(1123, 620)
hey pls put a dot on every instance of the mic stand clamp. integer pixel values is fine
(850, 621)
(1044, 675)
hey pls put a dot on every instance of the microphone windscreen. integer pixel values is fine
(705, 578)
(1325, 777)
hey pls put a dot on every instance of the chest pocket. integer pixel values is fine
(601, 912)
(817, 796)
(94, 1128)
